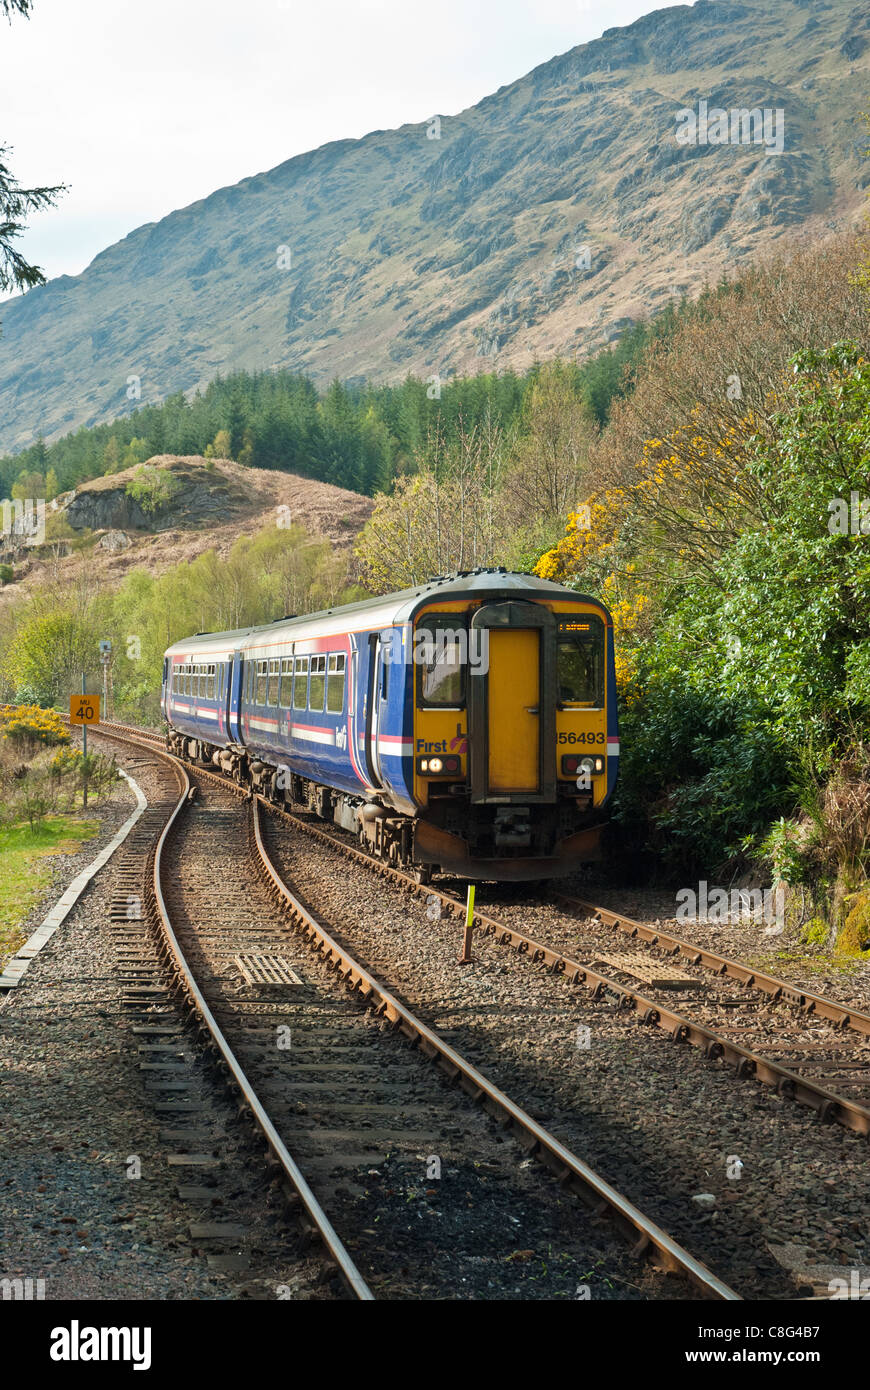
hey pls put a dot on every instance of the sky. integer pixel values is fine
(143, 106)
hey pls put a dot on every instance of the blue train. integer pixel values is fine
(468, 725)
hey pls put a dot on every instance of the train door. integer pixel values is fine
(514, 715)
(234, 696)
(511, 704)
(376, 703)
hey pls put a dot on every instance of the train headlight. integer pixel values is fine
(440, 767)
(575, 766)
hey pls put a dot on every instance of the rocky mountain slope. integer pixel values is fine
(539, 221)
(212, 503)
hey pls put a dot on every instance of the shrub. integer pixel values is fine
(152, 488)
(27, 727)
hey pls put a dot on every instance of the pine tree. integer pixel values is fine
(16, 202)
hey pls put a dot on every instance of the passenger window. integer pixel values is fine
(580, 664)
(274, 676)
(285, 695)
(335, 684)
(441, 679)
(317, 691)
(300, 683)
(262, 682)
(212, 693)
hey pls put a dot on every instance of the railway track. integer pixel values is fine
(241, 969)
(811, 1049)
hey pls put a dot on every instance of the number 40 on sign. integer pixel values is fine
(84, 709)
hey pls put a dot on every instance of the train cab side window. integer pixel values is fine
(285, 693)
(274, 677)
(317, 688)
(262, 682)
(335, 684)
(300, 683)
(441, 673)
(580, 666)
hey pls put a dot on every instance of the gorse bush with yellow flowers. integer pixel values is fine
(27, 727)
(41, 774)
(750, 640)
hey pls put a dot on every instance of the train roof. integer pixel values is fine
(390, 608)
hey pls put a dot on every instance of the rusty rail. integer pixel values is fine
(645, 1235)
(571, 1170)
(195, 999)
(852, 1020)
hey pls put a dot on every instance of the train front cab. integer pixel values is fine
(503, 730)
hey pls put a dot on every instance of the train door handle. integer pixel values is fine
(533, 709)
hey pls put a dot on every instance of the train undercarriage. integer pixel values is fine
(516, 843)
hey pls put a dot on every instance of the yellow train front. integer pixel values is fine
(515, 734)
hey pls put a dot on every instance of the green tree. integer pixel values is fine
(111, 457)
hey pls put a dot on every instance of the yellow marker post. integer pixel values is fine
(467, 958)
(84, 710)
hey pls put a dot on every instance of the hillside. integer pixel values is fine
(408, 253)
(215, 502)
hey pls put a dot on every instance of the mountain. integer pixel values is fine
(540, 221)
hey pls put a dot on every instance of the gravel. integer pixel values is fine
(659, 1122)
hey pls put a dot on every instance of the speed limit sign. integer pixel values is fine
(84, 709)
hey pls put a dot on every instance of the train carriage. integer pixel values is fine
(469, 724)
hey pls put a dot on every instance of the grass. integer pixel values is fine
(832, 962)
(25, 876)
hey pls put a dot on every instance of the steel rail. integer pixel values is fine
(827, 1104)
(818, 1004)
(195, 998)
(571, 1169)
